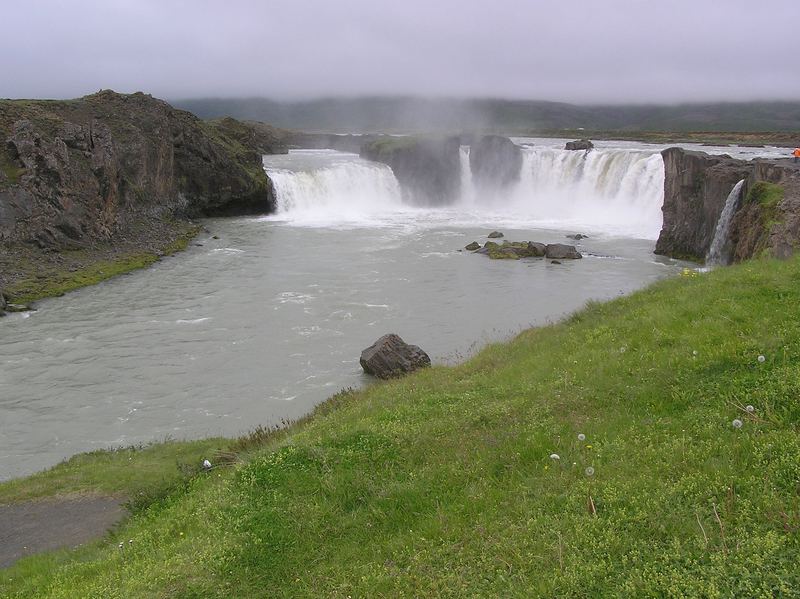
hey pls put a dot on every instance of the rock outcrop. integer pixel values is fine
(428, 169)
(390, 357)
(696, 186)
(495, 162)
(514, 250)
(579, 144)
(79, 171)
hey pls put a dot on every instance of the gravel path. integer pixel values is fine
(36, 526)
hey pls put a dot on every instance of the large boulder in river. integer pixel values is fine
(495, 162)
(579, 144)
(561, 251)
(390, 357)
(427, 168)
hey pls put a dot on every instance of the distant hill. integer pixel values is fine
(371, 114)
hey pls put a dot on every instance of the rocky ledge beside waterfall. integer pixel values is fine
(765, 218)
(112, 174)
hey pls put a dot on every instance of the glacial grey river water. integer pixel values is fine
(267, 321)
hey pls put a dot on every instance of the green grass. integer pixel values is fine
(138, 473)
(767, 194)
(441, 484)
(56, 282)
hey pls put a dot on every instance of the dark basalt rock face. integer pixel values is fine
(696, 186)
(495, 162)
(579, 144)
(428, 169)
(390, 357)
(79, 171)
(768, 225)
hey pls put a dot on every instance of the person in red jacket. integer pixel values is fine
(796, 154)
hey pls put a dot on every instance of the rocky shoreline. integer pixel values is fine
(96, 186)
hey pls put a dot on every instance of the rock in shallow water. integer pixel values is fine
(495, 235)
(561, 251)
(390, 357)
(473, 246)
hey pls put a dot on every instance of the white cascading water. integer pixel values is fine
(614, 191)
(716, 255)
(327, 186)
(605, 190)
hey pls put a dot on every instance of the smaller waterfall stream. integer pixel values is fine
(716, 254)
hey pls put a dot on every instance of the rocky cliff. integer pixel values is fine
(696, 186)
(74, 172)
(428, 169)
(93, 187)
(495, 162)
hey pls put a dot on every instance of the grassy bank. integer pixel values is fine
(443, 484)
(33, 274)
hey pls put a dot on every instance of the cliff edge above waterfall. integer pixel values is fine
(696, 186)
(109, 171)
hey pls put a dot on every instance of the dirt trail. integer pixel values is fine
(36, 526)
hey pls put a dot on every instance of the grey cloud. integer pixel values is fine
(575, 50)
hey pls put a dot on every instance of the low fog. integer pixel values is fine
(569, 51)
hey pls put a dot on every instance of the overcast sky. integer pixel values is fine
(564, 50)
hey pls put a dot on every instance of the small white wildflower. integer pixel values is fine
(555, 456)
(206, 464)
(581, 437)
(737, 423)
(694, 353)
(130, 540)
(589, 471)
(622, 349)
(121, 545)
(761, 359)
(750, 409)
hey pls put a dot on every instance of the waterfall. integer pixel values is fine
(612, 190)
(468, 194)
(616, 191)
(322, 184)
(716, 253)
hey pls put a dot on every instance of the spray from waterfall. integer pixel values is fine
(716, 253)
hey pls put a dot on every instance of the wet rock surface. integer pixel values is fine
(495, 162)
(391, 357)
(428, 169)
(579, 144)
(514, 250)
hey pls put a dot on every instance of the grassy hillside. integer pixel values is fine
(443, 484)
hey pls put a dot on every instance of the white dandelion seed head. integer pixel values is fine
(622, 349)
(206, 464)
(761, 359)
(555, 456)
(694, 353)
(737, 423)
(589, 471)
(581, 437)
(121, 545)
(750, 409)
